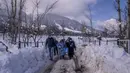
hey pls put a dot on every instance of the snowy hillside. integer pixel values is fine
(75, 31)
(56, 22)
(59, 26)
(51, 19)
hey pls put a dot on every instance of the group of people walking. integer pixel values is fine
(63, 48)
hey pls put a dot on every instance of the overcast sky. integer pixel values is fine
(75, 9)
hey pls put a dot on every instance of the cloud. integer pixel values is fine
(70, 8)
(75, 9)
(110, 24)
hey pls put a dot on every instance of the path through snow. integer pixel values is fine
(97, 59)
(48, 67)
(64, 66)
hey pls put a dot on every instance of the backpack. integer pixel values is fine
(62, 47)
(71, 43)
(66, 50)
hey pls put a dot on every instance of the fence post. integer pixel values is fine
(37, 44)
(107, 42)
(30, 43)
(99, 42)
(27, 43)
(118, 42)
(42, 43)
(89, 40)
(129, 46)
(24, 44)
(19, 44)
(95, 42)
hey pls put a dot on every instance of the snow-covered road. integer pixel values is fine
(48, 67)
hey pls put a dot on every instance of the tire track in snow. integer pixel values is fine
(64, 66)
(49, 67)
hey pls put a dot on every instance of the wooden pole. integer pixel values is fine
(128, 30)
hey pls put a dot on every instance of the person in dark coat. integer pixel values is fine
(50, 45)
(56, 48)
(99, 39)
(71, 47)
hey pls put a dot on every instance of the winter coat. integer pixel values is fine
(71, 46)
(50, 42)
(62, 48)
(99, 38)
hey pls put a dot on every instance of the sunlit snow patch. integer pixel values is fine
(58, 25)
(75, 31)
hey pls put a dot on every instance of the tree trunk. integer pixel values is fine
(128, 32)
(13, 26)
(119, 19)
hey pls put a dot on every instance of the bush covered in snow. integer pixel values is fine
(104, 59)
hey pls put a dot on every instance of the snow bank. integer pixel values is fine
(27, 60)
(104, 59)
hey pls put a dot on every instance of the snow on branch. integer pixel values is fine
(5, 46)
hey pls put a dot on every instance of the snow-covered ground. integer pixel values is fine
(24, 60)
(104, 59)
(96, 59)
